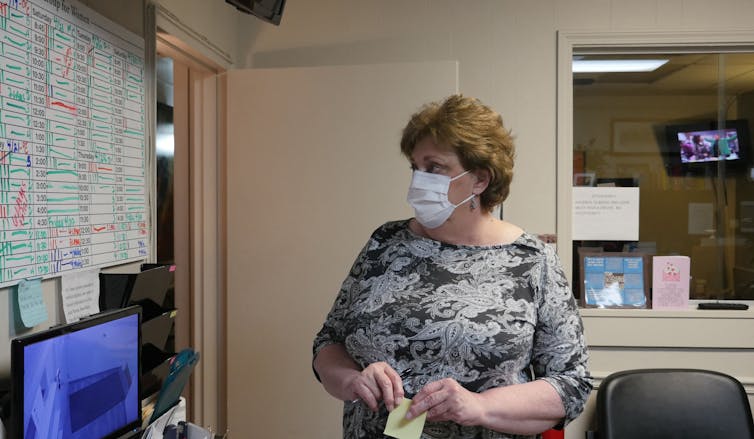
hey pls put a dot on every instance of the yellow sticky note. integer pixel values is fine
(399, 427)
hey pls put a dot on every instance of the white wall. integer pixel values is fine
(507, 56)
(210, 27)
(300, 207)
(506, 51)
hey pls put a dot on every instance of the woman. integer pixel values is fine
(455, 308)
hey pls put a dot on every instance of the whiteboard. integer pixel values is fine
(73, 191)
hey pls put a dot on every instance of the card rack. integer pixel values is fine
(152, 288)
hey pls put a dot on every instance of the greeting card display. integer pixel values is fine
(670, 282)
(614, 280)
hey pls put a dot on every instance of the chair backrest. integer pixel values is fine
(673, 403)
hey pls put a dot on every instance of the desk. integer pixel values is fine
(620, 339)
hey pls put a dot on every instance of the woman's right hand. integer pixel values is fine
(376, 382)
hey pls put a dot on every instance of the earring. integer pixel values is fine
(473, 202)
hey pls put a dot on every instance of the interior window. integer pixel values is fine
(679, 130)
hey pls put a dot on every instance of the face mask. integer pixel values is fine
(428, 195)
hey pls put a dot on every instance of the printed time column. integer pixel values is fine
(70, 170)
(40, 24)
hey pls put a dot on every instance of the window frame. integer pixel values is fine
(605, 43)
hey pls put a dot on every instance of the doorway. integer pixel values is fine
(189, 158)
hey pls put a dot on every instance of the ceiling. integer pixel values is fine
(683, 74)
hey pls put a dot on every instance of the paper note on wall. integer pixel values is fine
(606, 213)
(80, 294)
(399, 427)
(31, 304)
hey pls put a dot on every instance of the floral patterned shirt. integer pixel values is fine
(486, 316)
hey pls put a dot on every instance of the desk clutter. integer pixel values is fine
(172, 425)
(186, 430)
(113, 374)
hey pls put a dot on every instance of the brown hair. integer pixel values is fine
(475, 132)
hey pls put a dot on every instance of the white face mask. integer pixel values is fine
(428, 195)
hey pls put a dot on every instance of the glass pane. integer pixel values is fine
(164, 150)
(680, 133)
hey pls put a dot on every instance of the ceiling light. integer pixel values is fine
(616, 65)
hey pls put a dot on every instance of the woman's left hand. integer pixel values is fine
(446, 400)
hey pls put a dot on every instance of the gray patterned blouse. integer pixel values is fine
(486, 316)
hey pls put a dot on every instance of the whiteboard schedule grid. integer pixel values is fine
(73, 189)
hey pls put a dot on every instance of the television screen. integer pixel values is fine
(79, 380)
(709, 145)
(706, 147)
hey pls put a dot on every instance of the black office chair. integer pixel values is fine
(670, 404)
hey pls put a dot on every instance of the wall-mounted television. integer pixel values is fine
(270, 11)
(79, 380)
(698, 145)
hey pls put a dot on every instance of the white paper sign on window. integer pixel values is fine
(701, 219)
(606, 213)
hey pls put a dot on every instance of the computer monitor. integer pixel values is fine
(79, 380)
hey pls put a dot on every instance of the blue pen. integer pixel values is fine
(405, 373)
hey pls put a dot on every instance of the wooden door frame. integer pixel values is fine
(199, 224)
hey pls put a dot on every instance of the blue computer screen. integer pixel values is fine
(83, 384)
